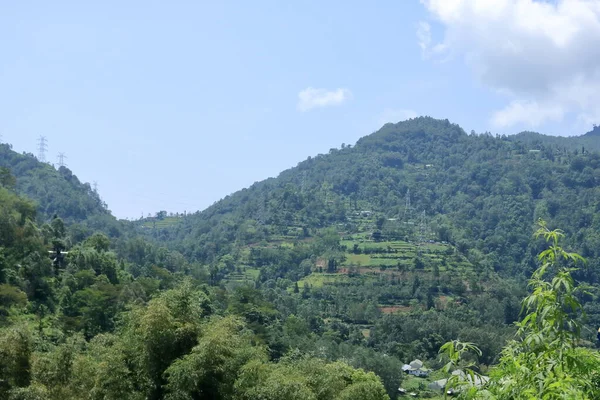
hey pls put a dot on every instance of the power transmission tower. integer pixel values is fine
(61, 160)
(42, 148)
(407, 205)
(422, 227)
(303, 185)
(95, 186)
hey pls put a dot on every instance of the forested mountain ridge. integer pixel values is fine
(317, 284)
(479, 192)
(588, 141)
(56, 191)
(83, 321)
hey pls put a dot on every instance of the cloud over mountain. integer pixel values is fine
(542, 55)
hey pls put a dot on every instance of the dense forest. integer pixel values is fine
(318, 284)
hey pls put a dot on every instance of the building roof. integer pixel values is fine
(475, 380)
(438, 385)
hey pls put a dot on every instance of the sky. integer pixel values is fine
(174, 105)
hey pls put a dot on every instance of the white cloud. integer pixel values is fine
(528, 112)
(395, 115)
(543, 55)
(424, 35)
(310, 98)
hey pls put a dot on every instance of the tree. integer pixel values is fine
(546, 360)
(213, 365)
(7, 179)
(15, 353)
(301, 377)
(99, 242)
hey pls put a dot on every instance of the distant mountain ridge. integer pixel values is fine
(589, 141)
(594, 132)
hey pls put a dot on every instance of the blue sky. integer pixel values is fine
(173, 106)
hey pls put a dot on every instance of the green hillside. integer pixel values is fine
(587, 142)
(320, 283)
(86, 315)
(58, 192)
(417, 234)
(480, 193)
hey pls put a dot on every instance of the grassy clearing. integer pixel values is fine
(317, 279)
(163, 223)
(366, 260)
(252, 273)
(393, 253)
(358, 259)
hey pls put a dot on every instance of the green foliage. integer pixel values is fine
(57, 191)
(547, 360)
(318, 284)
(15, 352)
(308, 378)
(210, 369)
(7, 179)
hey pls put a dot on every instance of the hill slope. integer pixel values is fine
(478, 192)
(587, 142)
(58, 192)
(375, 254)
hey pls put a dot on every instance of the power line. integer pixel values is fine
(61, 160)
(42, 148)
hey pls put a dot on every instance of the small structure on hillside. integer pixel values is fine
(415, 368)
(476, 380)
(438, 385)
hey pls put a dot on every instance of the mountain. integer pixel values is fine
(416, 234)
(85, 314)
(587, 142)
(319, 283)
(58, 192)
(481, 193)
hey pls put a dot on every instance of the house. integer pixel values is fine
(415, 368)
(476, 380)
(438, 385)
